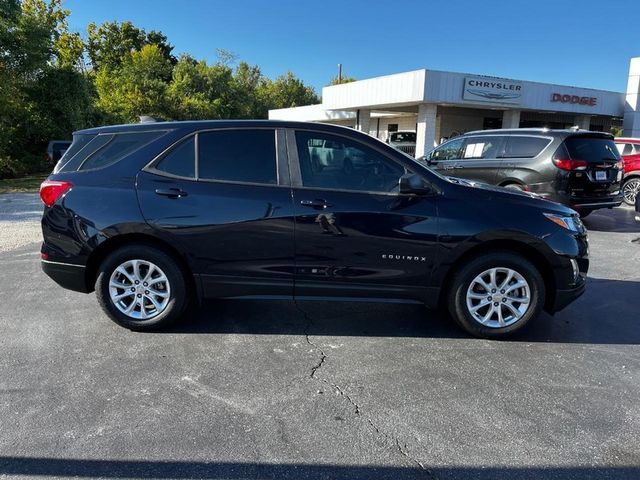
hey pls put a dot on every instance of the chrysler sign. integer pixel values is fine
(492, 90)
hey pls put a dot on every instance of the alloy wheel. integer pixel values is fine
(630, 191)
(139, 289)
(498, 297)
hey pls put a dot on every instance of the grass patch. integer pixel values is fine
(29, 183)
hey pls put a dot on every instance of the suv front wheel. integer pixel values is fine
(141, 288)
(496, 294)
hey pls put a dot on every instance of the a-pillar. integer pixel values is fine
(363, 120)
(511, 119)
(583, 122)
(427, 126)
(631, 124)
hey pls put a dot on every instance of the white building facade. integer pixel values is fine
(438, 105)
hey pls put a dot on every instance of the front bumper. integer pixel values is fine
(67, 275)
(565, 297)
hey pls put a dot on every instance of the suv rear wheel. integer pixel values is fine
(141, 288)
(631, 189)
(496, 294)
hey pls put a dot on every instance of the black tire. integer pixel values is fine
(177, 297)
(463, 278)
(515, 186)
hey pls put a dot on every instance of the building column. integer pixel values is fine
(511, 119)
(631, 123)
(363, 120)
(583, 122)
(426, 134)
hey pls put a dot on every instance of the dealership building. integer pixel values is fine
(438, 105)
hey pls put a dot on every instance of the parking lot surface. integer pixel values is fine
(315, 390)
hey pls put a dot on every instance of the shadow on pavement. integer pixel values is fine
(616, 220)
(140, 469)
(610, 317)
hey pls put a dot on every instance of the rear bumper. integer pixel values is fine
(591, 203)
(69, 276)
(565, 297)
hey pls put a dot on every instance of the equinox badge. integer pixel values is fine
(412, 258)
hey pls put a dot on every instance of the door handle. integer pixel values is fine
(171, 192)
(318, 204)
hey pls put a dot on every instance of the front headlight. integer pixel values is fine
(569, 222)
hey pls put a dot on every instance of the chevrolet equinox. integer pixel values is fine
(156, 216)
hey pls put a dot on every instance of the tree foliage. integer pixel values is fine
(53, 81)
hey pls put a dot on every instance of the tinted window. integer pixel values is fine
(591, 149)
(354, 166)
(238, 155)
(524, 147)
(114, 147)
(79, 142)
(482, 147)
(180, 160)
(627, 149)
(449, 151)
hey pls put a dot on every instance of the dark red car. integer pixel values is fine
(630, 150)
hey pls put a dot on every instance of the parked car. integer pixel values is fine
(155, 216)
(56, 149)
(629, 148)
(580, 169)
(333, 154)
(405, 141)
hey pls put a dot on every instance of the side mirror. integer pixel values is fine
(412, 183)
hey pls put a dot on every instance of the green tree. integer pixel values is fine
(109, 43)
(285, 92)
(337, 81)
(137, 86)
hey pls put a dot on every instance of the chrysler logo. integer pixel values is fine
(411, 258)
(493, 95)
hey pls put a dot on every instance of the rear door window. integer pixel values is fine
(180, 161)
(592, 149)
(243, 155)
(525, 147)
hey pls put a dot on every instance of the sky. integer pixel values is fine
(583, 43)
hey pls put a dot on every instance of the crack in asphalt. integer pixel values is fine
(395, 441)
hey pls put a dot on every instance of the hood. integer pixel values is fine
(528, 199)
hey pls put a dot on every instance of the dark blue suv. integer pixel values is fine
(155, 216)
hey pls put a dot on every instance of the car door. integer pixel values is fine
(522, 162)
(355, 234)
(480, 158)
(223, 197)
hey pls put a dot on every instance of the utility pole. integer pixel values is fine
(339, 73)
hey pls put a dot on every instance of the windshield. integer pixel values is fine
(403, 137)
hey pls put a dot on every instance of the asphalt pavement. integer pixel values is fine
(315, 390)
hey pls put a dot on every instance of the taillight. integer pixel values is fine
(619, 164)
(567, 164)
(52, 190)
